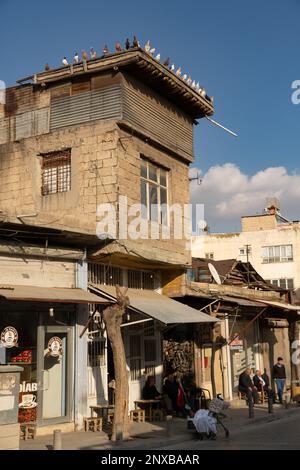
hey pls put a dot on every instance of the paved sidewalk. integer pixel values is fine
(155, 435)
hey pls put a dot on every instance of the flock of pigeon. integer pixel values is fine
(135, 44)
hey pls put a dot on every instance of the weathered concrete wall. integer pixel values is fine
(105, 163)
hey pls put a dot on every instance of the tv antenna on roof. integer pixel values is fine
(193, 178)
(214, 273)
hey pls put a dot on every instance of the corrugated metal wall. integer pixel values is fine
(157, 117)
(24, 125)
(88, 106)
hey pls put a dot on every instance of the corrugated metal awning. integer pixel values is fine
(284, 306)
(49, 294)
(160, 307)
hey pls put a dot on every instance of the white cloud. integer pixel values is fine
(228, 194)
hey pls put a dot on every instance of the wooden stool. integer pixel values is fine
(93, 424)
(158, 415)
(137, 415)
(27, 430)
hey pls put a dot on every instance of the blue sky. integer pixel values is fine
(246, 54)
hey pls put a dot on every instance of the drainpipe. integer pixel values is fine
(228, 360)
(80, 347)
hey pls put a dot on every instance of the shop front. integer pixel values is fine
(42, 337)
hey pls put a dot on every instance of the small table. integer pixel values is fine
(101, 409)
(147, 402)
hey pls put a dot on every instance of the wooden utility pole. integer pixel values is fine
(112, 316)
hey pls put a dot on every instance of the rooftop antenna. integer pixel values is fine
(222, 127)
(214, 273)
(193, 178)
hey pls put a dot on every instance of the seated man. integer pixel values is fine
(262, 382)
(247, 386)
(150, 391)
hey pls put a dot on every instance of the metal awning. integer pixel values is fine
(284, 306)
(157, 306)
(49, 294)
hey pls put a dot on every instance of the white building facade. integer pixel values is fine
(269, 242)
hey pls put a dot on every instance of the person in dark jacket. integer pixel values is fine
(170, 391)
(262, 382)
(279, 377)
(150, 391)
(247, 386)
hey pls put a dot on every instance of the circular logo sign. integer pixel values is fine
(9, 337)
(55, 346)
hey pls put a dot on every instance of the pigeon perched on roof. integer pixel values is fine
(47, 67)
(167, 62)
(157, 57)
(189, 80)
(127, 44)
(151, 52)
(203, 93)
(184, 77)
(118, 46)
(147, 46)
(84, 55)
(105, 50)
(93, 53)
(135, 42)
(76, 58)
(178, 72)
(193, 84)
(64, 61)
(172, 68)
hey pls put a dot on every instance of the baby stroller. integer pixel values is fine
(207, 421)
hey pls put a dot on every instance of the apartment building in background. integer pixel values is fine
(269, 241)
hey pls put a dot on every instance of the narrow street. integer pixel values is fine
(281, 434)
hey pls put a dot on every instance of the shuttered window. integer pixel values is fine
(56, 172)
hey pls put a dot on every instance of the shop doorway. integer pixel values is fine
(55, 374)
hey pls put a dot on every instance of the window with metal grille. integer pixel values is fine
(140, 279)
(105, 274)
(56, 172)
(96, 343)
(135, 357)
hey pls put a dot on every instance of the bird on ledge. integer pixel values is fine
(84, 55)
(147, 46)
(93, 53)
(135, 42)
(105, 50)
(76, 58)
(47, 67)
(167, 62)
(118, 47)
(127, 44)
(65, 62)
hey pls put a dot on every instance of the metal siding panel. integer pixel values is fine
(24, 125)
(85, 107)
(3, 131)
(150, 115)
(41, 121)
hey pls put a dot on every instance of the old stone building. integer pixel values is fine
(80, 138)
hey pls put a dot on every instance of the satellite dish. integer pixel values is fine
(214, 273)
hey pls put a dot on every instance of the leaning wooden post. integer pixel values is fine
(112, 316)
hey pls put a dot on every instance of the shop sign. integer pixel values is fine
(9, 337)
(55, 346)
(237, 343)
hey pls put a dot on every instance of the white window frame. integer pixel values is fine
(149, 182)
(277, 254)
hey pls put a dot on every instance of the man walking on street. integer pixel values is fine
(279, 377)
